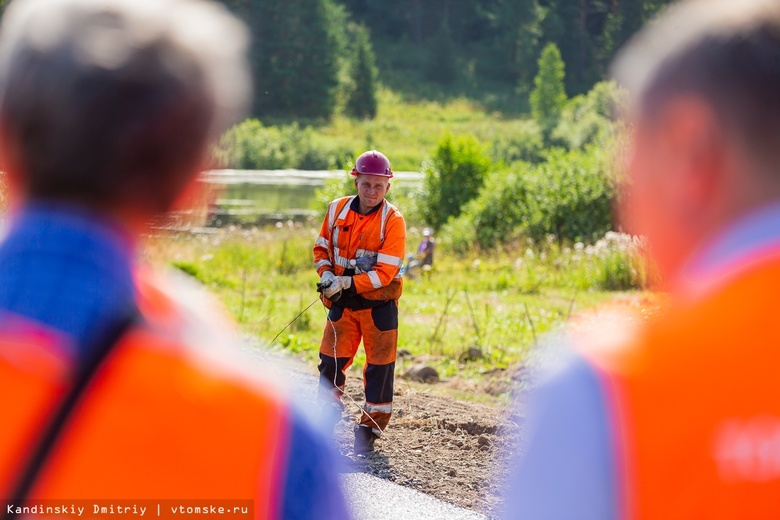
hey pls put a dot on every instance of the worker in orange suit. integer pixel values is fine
(358, 255)
(117, 383)
(679, 417)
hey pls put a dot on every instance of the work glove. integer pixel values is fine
(326, 279)
(334, 289)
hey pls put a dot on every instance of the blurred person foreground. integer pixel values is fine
(679, 417)
(119, 384)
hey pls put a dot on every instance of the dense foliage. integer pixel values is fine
(252, 146)
(454, 177)
(488, 180)
(362, 101)
(565, 191)
(296, 51)
(486, 49)
(568, 195)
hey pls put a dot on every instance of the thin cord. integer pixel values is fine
(293, 320)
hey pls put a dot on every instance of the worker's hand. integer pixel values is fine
(340, 283)
(326, 279)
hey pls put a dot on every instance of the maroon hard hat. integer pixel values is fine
(372, 163)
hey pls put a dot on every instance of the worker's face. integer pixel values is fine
(673, 194)
(372, 189)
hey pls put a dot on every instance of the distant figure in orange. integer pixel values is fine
(117, 383)
(680, 417)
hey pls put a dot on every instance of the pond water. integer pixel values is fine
(267, 196)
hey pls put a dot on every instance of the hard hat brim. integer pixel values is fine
(355, 173)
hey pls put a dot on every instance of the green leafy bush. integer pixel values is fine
(586, 117)
(569, 196)
(454, 177)
(573, 195)
(252, 146)
(525, 144)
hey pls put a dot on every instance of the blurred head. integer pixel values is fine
(112, 104)
(704, 83)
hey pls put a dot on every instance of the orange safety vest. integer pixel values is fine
(347, 235)
(696, 402)
(166, 416)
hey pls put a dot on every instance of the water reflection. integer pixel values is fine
(268, 196)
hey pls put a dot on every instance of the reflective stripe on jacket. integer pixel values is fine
(168, 416)
(346, 235)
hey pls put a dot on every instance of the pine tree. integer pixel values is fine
(526, 17)
(549, 94)
(296, 57)
(362, 100)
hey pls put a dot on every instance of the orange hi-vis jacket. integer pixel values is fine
(696, 401)
(165, 417)
(346, 235)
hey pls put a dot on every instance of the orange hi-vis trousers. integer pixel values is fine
(378, 328)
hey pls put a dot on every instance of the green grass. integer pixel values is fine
(501, 304)
(408, 130)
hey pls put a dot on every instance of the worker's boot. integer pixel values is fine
(364, 440)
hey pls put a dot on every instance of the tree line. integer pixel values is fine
(314, 57)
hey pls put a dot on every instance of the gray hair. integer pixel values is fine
(110, 101)
(727, 52)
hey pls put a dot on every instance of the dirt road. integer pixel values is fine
(450, 449)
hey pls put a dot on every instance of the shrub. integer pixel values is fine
(252, 146)
(527, 144)
(586, 117)
(454, 177)
(573, 195)
(569, 196)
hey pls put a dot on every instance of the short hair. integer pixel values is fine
(725, 51)
(116, 101)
